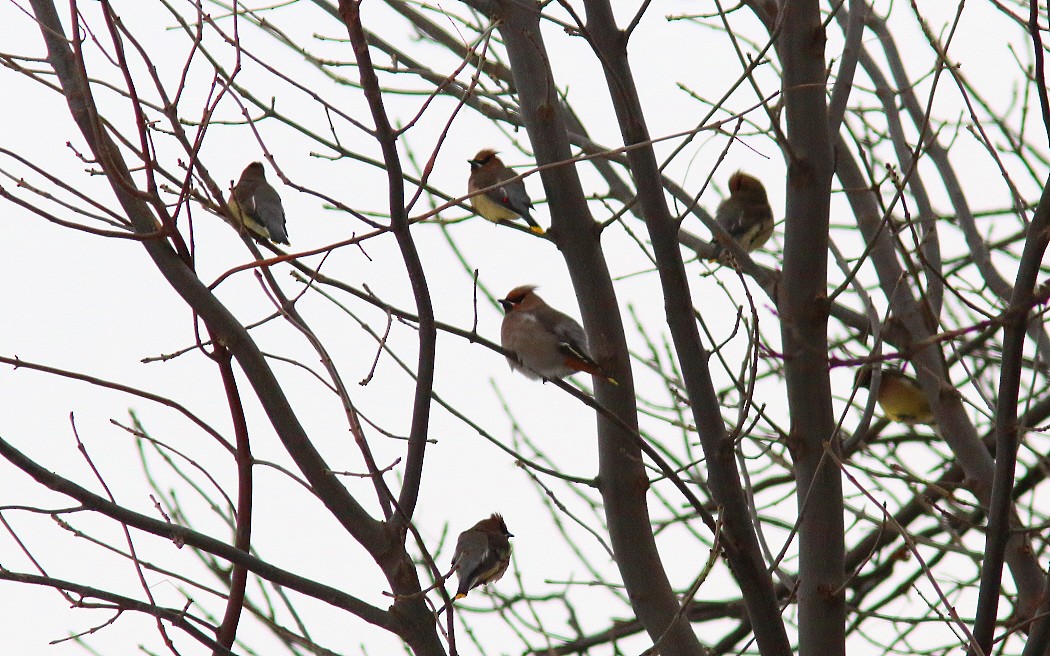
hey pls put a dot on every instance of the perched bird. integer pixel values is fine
(900, 396)
(482, 554)
(503, 203)
(257, 206)
(745, 215)
(547, 344)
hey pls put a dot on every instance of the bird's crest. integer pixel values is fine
(495, 524)
(483, 157)
(516, 296)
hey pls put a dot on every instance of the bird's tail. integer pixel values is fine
(533, 226)
(589, 366)
(459, 595)
(719, 253)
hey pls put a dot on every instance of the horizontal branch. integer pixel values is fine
(183, 535)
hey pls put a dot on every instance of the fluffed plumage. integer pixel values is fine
(547, 343)
(504, 203)
(745, 215)
(900, 396)
(482, 554)
(258, 206)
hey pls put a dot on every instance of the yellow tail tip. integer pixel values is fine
(459, 596)
(612, 380)
(538, 230)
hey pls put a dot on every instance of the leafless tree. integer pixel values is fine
(914, 228)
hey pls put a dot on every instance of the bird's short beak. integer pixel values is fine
(510, 535)
(507, 305)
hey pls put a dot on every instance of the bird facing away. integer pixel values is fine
(482, 554)
(745, 215)
(547, 343)
(257, 206)
(900, 396)
(503, 203)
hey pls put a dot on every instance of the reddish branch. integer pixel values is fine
(178, 617)
(181, 535)
(227, 632)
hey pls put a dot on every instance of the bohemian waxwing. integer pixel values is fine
(547, 343)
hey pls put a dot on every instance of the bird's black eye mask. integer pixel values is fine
(511, 301)
(478, 163)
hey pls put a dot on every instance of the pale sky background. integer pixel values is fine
(98, 306)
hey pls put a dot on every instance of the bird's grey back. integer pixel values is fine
(271, 212)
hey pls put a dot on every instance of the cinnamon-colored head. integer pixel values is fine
(523, 297)
(746, 187)
(485, 159)
(494, 525)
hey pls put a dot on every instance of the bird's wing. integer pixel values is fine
(513, 194)
(732, 220)
(472, 551)
(244, 193)
(518, 198)
(270, 212)
(571, 337)
(243, 207)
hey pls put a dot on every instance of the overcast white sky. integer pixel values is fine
(97, 305)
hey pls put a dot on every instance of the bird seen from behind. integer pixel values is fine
(257, 206)
(482, 554)
(745, 215)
